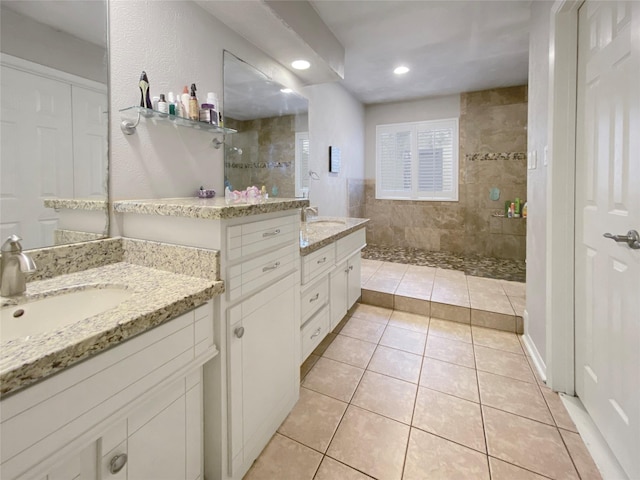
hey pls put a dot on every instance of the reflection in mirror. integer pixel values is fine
(54, 145)
(271, 147)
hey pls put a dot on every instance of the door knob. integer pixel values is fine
(117, 463)
(632, 238)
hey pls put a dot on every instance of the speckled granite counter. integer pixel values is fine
(76, 203)
(325, 230)
(207, 208)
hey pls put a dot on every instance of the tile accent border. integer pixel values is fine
(472, 157)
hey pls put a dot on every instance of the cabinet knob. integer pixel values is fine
(239, 332)
(117, 463)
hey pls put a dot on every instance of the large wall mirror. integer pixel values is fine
(54, 140)
(271, 147)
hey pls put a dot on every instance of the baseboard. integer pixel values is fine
(532, 351)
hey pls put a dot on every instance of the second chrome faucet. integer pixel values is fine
(14, 267)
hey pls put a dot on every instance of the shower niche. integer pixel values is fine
(271, 146)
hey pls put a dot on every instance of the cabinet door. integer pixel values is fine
(354, 289)
(268, 367)
(81, 466)
(338, 293)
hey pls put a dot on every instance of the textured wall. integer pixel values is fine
(492, 121)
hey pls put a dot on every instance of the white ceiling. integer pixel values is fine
(450, 46)
(84, 19)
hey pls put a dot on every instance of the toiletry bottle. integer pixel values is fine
(184, 102)
(524, 210)
(154, 103)
(194, 110)
(512, 209)
(507, 206)
(208, 111)
(516, 212)
(145, 100)
(171, 98)
(162, 105)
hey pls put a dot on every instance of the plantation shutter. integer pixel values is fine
(417, 161)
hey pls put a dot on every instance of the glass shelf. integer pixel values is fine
(129, 128)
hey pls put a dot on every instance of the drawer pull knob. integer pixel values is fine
(239, 332)
(322, 260)
(117, 463)
(316, 333)
(350, 267)
(271, 267)
(271, 234)
(314, 298)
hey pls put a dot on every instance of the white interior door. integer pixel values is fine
(608, 200)
(37, 157)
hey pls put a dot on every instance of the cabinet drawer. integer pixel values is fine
(251, 238)
(313, 298)
(313, 332)
(259, 272)
(349, 244)
(317, 263)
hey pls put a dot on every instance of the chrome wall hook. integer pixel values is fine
(129, 128)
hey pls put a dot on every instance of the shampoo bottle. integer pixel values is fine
(194, 110)
(184, 102)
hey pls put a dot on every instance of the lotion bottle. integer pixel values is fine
(184, 102)
(194, 109)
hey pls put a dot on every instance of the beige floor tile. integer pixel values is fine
(528, 444)
(411, 305)
(503, 363)
(284, 458)
(487, 337)
(324, 344)
(483, 284)
(450, 274)
(434, 458)
(454, 313)
(307, 365)
(414, 288)
(495, 320)
(387, 396)
(514, 289)
(381, 283)
(368, 268)
(581, 456)
(513, 396)
(449, 378)
(491, 302)
(313, 420)
(363, 330)
(336, 379)
(505, 471)
(372, 313)
(560, 414)
(519, 304)
(402, 339)
(451, 351)
(378, 299)
(409, 321)
(370, 443)
(450, 417)
(396, 363)
(451, 294)
(395, 270)
(350, 350)
(450, 330)
(333, 470)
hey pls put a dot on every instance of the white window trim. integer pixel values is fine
(388, 195)
(300, 191)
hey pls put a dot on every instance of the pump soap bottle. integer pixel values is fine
(194, 110)
(145, 100)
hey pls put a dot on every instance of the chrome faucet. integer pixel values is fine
(306, 211)
(15, 264)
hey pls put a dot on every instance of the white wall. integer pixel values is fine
(25, 38)
(537, 178)
(398, 112)
(336, 118)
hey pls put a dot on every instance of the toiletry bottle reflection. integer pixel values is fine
(145, 100)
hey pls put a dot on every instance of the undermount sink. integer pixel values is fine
(327, 223)
(54, 312)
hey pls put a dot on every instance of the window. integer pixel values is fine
(302, 164)
(417, 161)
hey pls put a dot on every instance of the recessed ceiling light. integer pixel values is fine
(401, 70)
(286, 90)
(300, 64)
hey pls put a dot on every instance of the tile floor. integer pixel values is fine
(396, 395)
(444, 293)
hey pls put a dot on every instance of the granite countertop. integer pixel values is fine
(207, 208)
(158, 296)
(319, 232)
(75, 204)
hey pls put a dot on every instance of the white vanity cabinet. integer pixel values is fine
(138, 405)
(345, 287)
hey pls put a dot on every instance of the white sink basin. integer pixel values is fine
(327, 223)
(51, 313)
